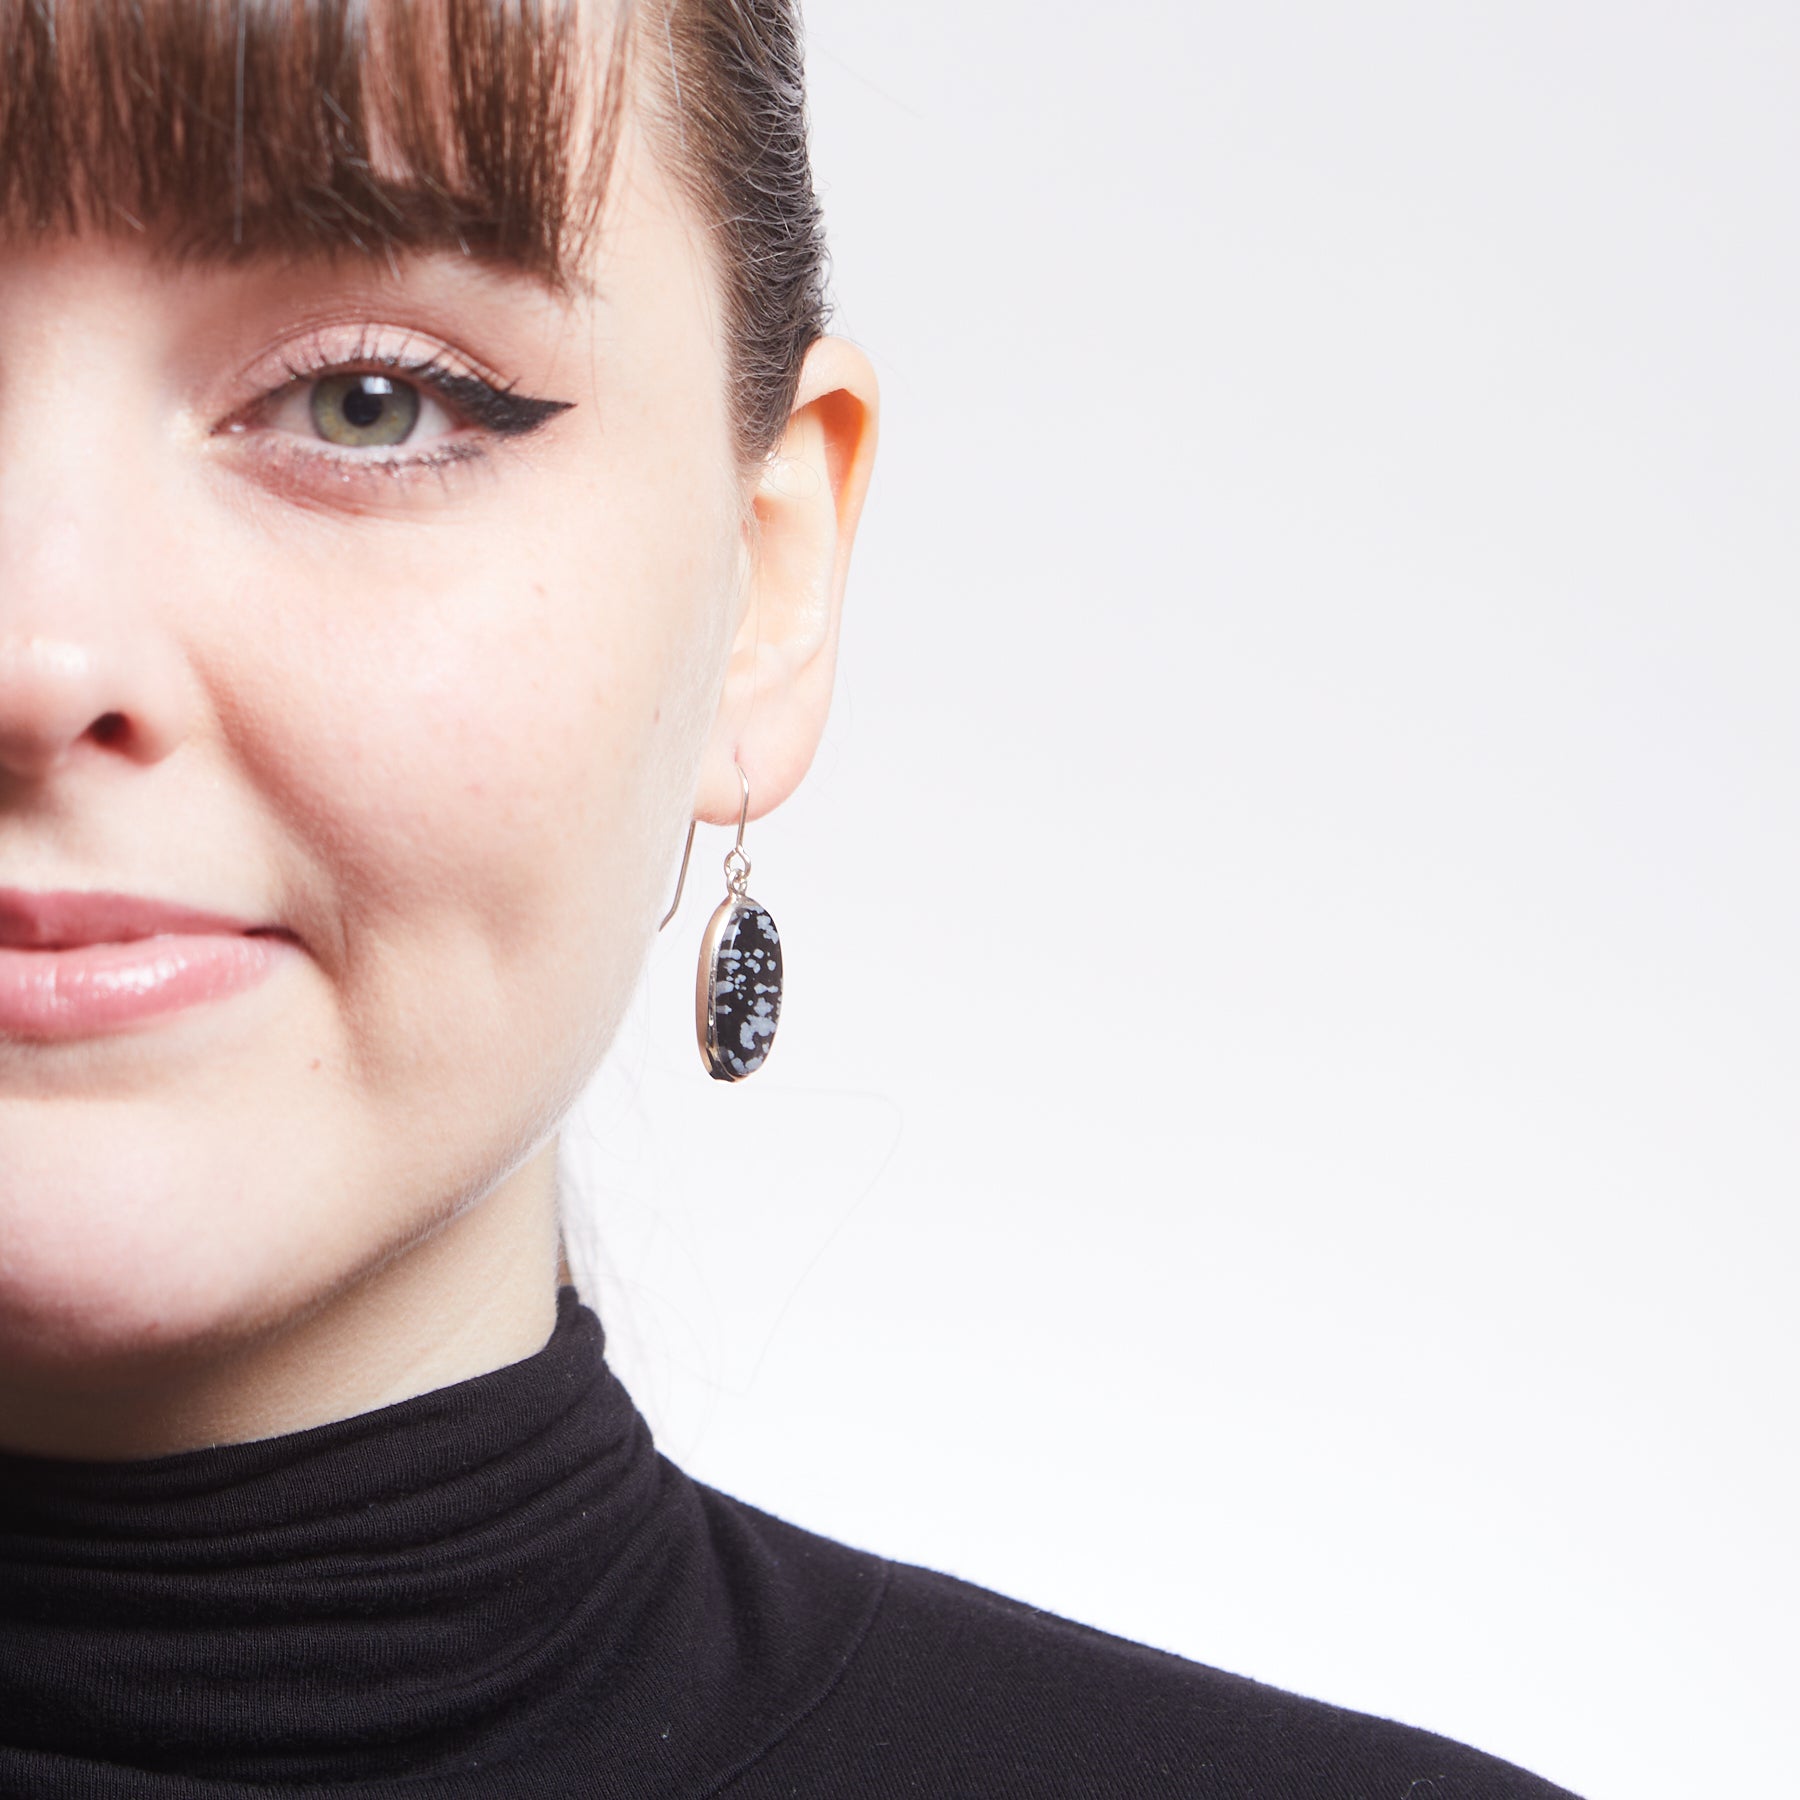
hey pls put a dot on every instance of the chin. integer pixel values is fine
(125, 1237)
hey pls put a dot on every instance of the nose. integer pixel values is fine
(96, 582)
(64, 693)
(91, 666)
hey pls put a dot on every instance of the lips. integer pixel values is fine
(64, 921)
(78, 964)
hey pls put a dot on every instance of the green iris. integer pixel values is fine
(358, 411)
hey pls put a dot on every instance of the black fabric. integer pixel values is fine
(501, 1589)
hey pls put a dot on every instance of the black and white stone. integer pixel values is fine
(740, 989)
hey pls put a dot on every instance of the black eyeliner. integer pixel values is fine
(499, 410)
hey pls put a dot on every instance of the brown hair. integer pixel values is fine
(227, 128)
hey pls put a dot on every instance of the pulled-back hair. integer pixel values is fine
(230, 128)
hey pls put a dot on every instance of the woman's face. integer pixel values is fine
(408, 692)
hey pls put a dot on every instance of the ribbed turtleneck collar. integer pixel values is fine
(411, 1591)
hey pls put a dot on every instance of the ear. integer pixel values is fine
(804, 511)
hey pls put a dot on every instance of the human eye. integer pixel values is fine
(380, 405)
(361, 409)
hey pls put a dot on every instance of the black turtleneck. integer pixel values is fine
(500, 1589)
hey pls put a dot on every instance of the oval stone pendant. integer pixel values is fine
(738, 998)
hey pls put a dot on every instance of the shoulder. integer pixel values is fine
(954, 1692)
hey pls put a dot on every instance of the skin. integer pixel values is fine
(444, 729)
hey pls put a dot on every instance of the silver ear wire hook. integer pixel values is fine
(737, 864)
(681, 879)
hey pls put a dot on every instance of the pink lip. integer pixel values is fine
(74, 964)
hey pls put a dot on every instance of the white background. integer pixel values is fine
(1283, 1142)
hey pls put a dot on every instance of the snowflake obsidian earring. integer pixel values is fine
(737, 991)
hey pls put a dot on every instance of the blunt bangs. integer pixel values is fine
(231, 129)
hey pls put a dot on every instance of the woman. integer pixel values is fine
(425, 487)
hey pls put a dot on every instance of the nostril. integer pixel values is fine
(109, 728)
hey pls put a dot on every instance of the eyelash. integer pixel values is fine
(494, 409)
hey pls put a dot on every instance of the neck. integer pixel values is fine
(476, 1295)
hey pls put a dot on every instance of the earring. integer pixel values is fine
(737, 990)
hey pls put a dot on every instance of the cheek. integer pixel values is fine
(472, 760)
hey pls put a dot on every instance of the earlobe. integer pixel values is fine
(806, 503)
